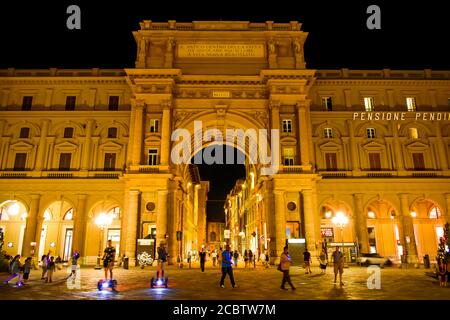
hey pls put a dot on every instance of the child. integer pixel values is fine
(50, 269)
(26, 269)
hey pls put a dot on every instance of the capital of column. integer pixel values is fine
(403, 196)
(358, 196)
(82, 196)
(134, 192)
(166, 104)
(138, 103)
(303, 104)
(274, 104)
(35, 196)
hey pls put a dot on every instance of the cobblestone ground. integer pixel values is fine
(260, 283)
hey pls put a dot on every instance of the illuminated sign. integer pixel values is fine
(327, 232)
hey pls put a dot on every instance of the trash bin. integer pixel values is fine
(426, 261)
(125, 262)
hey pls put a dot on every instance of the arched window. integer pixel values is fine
(115, 213)
(435, 213)
(47, 215)
(212, 236)
(68, 215)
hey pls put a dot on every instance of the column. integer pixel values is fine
(280, 224)
(275, 122)
(408, 229)
(30, 230)
(40, 157)
(123, 225)
(397, 147)
(269, 219)
(361, 223)
(353, 147)
(447, 213)
(85, 165)
(132, 224)
(131, 139)
(165, 135)
(304, 138)
(161, 218)
(308, 215)
(441, 148)
(138, 109)
(79, 225)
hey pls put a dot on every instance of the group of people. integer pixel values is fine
(19, 270)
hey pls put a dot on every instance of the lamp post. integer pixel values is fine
(340, 220)
(102, 221)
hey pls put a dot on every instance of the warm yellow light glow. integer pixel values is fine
(413, 214)
(328, 214)
(340, 219)
(371, 214)
(13, 209)
(103, 220)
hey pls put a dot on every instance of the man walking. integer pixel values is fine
(227, 267)
(109, 256)
(285, 264)
(307, 260)
(338, 262)
(202, 255)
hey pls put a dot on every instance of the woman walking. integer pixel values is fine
(323, 261)
(285, 264)
(246, 258)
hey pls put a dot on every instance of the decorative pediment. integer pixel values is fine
(373, 146)
(110, 146)
(417, 146)
(330, 146)
(288, 140)
(152, 139)
(66, 146)
(21, 146)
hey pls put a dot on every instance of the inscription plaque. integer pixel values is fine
(220, 50)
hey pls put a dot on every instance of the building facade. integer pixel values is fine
(370, 144)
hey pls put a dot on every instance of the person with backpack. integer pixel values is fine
(15, 267)
(227, 267)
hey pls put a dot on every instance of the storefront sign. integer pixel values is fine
(226, 234)
(327, 232)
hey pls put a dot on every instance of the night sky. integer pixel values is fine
(413, 35)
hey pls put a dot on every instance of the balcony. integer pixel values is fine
(60, 174)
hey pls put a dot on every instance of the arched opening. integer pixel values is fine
(428, 226)
(57, 230)
(383, 229)
(13, 216)
(104, 224)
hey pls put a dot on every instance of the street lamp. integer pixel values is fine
(340, 220)
(102, 221)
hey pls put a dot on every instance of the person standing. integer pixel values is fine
(323, 261)
(109, 255)
(44, 262)
(246, 258)
(227, 267)
(285, 264)
(214, 257)
(442, 270)
(26, 270)
(14, 270)
(202, 256)
(162, 259)
(75, 257)
(50, 269)
(307, 261)
(267, 259)
(189, 258)
(236, 258)
(338, 262)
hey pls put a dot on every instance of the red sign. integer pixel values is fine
(327, 232)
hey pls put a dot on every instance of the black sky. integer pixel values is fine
(414, 34)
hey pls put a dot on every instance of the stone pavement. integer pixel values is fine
(261, 283)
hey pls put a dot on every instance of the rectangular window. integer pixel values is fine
(331, 161)
(113, 103)
(154, 125)
(370, 133)
(368, 103)
(153, 157)
(27, 101)
(24, 133)
(413, 133)
(411, 103)
(68, 133)
(287, 125)
(375, 161)
(110, 162)
(20, 161)
(288, 156)
(418, 161)
(64, 161)
(70, 103)
(328, 133)
(327, 103)
(112, 133)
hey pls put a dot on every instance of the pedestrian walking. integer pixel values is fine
(51, 267)
(323, 261)
(44, 263)
(202, 256)
(219, 257)
(307, 261)
(109, 256)
(338, 262)
(267, 259)
(75, 257)
(250, 259)
(214, 257)
(285, 264)
(245, 258)
(262, 258)
(236, 258)
(14, 268)
(227, 267)
(189, 258)
(26, 269)
(442, 271)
